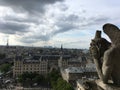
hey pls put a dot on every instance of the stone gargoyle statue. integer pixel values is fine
(106, 56)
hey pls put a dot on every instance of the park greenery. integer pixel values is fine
(2, 55)
(5, 67)
(57, 82)
(62, 85)
(30, 79)
(53, 79)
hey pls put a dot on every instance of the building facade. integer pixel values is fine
(71, 74)
(66, 61)
(30, 65)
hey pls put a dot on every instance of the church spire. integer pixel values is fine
(61, 50)
(7, 43)
(61, 47)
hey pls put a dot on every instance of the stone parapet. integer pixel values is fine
(107, 86)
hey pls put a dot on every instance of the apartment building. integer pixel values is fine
(66, 61)
(34, 64)
(71, 74)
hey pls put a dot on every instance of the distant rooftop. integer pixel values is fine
(74, 70)
(80, 69)
(37, 58)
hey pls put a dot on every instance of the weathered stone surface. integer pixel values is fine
(106, 86)
(113, 32)
(111, 59)
(107, 58)
(98, 46)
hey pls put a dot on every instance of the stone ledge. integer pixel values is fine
(106, 86)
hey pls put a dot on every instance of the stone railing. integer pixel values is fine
(106, 86)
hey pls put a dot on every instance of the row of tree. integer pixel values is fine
(29, 79)
(5, 67)
(53, 79)
(2, 56)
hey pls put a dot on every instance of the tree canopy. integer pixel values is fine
(58, 83)
(28, 79)
(5, 67)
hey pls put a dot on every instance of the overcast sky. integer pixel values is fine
(71, 23)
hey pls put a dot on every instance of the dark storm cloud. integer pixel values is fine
(12, 27)
(30, 6)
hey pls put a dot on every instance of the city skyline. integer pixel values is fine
(55, 22)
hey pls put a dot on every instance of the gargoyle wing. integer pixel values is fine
(113, 32)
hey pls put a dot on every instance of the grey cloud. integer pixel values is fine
(72, 18)
(13, 24)
(64, 28)
(76, 22)
(35, 9)
(65, 24)
(12, 27)
(101, 19)
(30, 6)
(35, 38)
(62, 7)
(22, 20)
(74, 42)
(28, 40)
(86, 22)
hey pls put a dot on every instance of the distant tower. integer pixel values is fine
(60, 61)
(61, 47)
(7, 43)
(61, 50)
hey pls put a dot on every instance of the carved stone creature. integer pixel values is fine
(111, 63)
(101, 49)
(101, 45)
(98, 47)
(107, 59)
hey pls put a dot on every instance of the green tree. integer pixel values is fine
(2, 56)
(5, 67)
(57, 82)
(54, 75)
(39, 78)
(63, 85)
(29, 79)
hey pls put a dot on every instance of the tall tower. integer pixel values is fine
(61, 50)
(61, 47)
(61, 57)
(7, 45)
